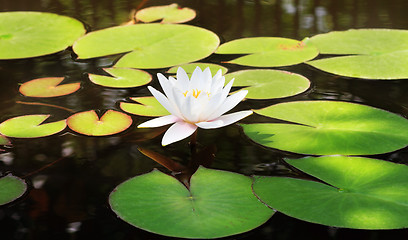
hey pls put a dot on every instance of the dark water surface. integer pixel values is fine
(69, 200)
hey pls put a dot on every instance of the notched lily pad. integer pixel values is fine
(122, 78)
(360, 192)
(88, 123)
(48, 87)
(170, 14)
(146, 106)
(218, 204)
(269, 51)
(190, 67)
(330, 127)
(30, 126)
(267, 84)
(11, 188)
(32, 34)
(149, 45)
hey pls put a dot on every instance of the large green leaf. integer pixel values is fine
(269, 51)
(30, 126)
(11, 188)
(381, 53)
(146, 106)
(123, 78)
(330, 127)
(169, 14)
(218, 204)
(362, 192)
(266, 84)
(149, 45)
(31, 34)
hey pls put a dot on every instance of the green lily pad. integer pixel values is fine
(190, 67)
(30, 126)
(269, 51)
(146, 106)
(123, 78)
(11, 188)
(88, 123)
(267, 84)
(48, 87)
(360, 192)
(149, 45)
(376, 53)
(32, 34)
(170, 14)
(218, 204)
(330, 127)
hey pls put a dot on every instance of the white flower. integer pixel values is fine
(199, 102)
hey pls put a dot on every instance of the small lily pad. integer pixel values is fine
(170, 14)
(269, 51)
(11, 188)
(190, 67)
(146, 106)
(48, 87)
(218, 204)
(358, 192)
(123, 78)
(30, 126)
(330, 127)
(267, 84)
(88, 123)
(149, 45)
(32, 34)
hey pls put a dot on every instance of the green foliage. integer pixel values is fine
(48, 87)
(122, 78)
(32, 34)
(330, 127)
(11, 188)
(30, 126)
(146, 106)
(218, 204)
(357, 192)
(170, 14)
(267, 84)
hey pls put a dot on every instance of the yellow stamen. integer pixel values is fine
(185, 93)
(196, 93)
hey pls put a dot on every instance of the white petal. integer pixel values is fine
(229, 104)
(206, 80)
(195, 81)
(182, 79)
(166, 86)
(224, 120)
(160, 121)
(177, 132)
(164, 101)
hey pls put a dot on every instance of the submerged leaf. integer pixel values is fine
(11, 188)
(48, 87)
(170, 14)
(146, 106)
(30, 126)
(122, 78)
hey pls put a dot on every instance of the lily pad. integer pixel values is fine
(330, 127)
(48, 87)
(190, 67)
(123, 78)
(358, 192)
(376, 53)
(218, 204)
(88, 123)
(32, 34)
(170, 14)
(11, 188)
(267, 84)
(269, 51)
(146, 106)
(30, 126)
(149, 45)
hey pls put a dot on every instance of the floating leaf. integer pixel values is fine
(30, 126)
(123, 78)
(218, 204)
(190, 67)
(382, 53)
(48, 87)
(170, 14)
(4, 140)
(31, 34)
(11, 188)
(266, 84)
(150, 45)
(269, 51)
(361, 193)
(88, 123)
(146, 106)
(330, 127)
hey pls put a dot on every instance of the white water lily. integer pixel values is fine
(197, 102)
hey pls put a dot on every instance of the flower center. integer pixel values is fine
(195, 93)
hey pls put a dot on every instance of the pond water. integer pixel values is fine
(71, 175)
